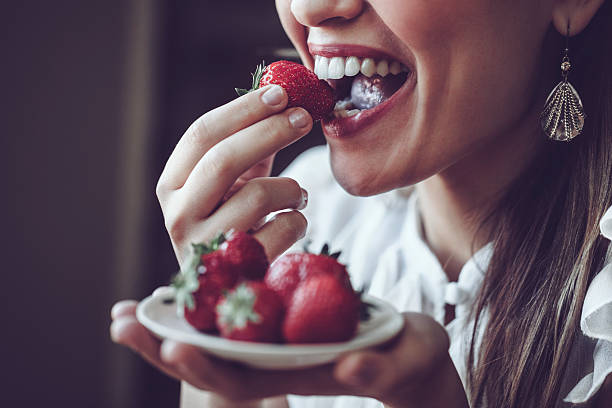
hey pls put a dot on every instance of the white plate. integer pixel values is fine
(161, 319)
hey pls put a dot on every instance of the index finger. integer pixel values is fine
(214, 126)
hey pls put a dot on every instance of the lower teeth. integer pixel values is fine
(343, 113)
(345, 109)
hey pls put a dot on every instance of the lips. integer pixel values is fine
(367, 83)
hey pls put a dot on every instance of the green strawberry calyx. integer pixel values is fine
(186, 281)
(237, 309)
(324, 250)
(365, 307)
(259, 70)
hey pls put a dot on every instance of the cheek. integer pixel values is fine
(295, 31)
(476, 62)
(420, 24)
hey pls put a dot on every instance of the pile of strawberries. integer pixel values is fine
(230, 289)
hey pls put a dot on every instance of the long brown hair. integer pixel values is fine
(547, 246)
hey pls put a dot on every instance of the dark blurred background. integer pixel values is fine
(95, 94)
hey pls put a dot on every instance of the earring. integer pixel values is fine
(563, 115)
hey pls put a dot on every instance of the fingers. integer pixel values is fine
(418, 350)
(216, 125)
(254, 201)
(126, 330)
(124, 308)
(261, 169)
(282, 231)
(189, 362)
(237, 382)
(219, 168)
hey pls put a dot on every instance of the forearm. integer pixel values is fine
(194, 398)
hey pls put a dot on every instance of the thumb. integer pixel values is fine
(418, 350)
(370, 372)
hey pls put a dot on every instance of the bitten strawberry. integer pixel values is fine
(250, 312)
(303, 87)
(246, 255)
(199, 287)
(322, 310)
(288, 271)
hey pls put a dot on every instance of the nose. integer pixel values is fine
(313, 13)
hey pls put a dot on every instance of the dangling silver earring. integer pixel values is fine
(563, 115)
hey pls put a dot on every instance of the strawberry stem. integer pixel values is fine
(259, 70)
(186, 281)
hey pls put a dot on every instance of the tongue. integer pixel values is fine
(366, 92)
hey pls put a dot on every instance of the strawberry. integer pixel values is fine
(250, 312)
(322, 310)
(246, 255)
(303, 87)
(288, 271)
(199, 287)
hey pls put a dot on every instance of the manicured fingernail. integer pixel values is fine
(304, 201)
(168, 350)
(117, 328)
(298, 119)
(273, 96)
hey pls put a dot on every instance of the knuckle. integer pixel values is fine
(175, 223)
(197, 133)
(275, 127)
(292, 225)
(175, 228)
(218, 162)
(257, 193)
(293, 186)
(251, 105)
(162, 189)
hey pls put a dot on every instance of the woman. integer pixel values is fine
(498, 242)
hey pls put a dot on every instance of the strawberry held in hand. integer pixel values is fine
(250, 312)
(303, 87)
(322, 310)
(288, 271)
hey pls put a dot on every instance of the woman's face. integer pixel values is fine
(471, 69)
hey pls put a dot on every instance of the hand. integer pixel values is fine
(414, 370)
(214, 180)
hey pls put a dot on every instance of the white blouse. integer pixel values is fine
(382, 244)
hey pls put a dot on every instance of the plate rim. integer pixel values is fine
(392, 326)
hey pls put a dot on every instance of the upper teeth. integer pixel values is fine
(338, 67)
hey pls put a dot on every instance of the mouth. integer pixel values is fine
(365, 83)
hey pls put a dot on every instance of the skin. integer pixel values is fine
(467, 130)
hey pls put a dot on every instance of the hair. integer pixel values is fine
(547, 245)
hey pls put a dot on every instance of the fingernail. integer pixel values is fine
(304, 201)
(273, 96)
(116, 329)
(298, 119)
(168, 351)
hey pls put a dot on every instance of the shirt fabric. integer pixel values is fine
(382, 243)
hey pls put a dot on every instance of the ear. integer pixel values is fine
(578, 13)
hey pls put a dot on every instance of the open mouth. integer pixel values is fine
(360, 84)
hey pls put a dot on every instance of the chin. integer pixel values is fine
(356, 182)
(363, 176)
